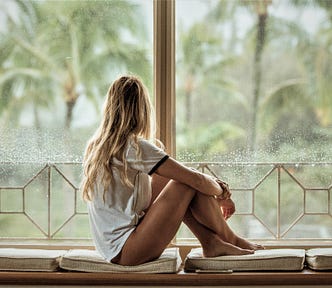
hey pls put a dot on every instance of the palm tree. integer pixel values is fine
(201, 73)
(223, 13)
(195, 46)
(9, 11)
(318, 61)
(75, 57)
(267, 99)
(261, 9)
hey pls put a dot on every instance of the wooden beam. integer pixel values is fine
(164, 72)
(305, 277)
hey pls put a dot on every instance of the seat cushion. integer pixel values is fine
(13, 259)
(91, 261)
(261, 260)
(319, 258)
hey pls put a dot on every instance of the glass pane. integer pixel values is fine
(317, 201)
(57, 60)
(11, 200)
(9, 224)
(311, 227)
(253, 87)
(249, 226)
(253, 80)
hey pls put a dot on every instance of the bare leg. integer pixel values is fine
(214, 221)
(206, 210)
(160, 225)
(212, 244)
(209, 240)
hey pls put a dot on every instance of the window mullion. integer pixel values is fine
(164, 72)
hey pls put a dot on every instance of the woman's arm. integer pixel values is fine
(203, 183)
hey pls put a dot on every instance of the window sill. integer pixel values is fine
(305, 277)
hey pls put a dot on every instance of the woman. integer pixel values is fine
(138, 196)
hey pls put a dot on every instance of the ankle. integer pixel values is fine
(210, 242)
(230, 238)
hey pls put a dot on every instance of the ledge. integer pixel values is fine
(305, 277)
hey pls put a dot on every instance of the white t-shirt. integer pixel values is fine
(113, 220)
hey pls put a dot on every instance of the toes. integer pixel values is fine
(248, 251)
(259, 247)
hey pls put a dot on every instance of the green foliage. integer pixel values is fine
(294, 84)
(211, 139)
(65, 50)
(57, 53)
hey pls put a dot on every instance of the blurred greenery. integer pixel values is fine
(252, 85)
(61, 51)
(262, 69)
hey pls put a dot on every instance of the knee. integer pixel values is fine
(179, 190)
(178, 186)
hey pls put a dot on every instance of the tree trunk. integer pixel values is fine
(257, 77)
(189, 87)
(69, 112)
(188, 108)
(36, 116)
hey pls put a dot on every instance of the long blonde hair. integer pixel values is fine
(127, 114)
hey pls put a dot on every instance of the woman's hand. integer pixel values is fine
(224, 200)
(226, 194)
(227, 207)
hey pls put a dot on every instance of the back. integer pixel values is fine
(115, 219)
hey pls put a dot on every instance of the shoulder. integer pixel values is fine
(144, 149)
(145, 145)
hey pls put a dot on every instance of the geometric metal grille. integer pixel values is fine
(277, 201)
(274, 201)
(42, 202)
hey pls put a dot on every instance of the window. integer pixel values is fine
(245, 84)
(254, 106)
(56, 70)
(57, 59)
(253, 80)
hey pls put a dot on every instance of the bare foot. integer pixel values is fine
(245, 244)
(219, 247)
(241, 242)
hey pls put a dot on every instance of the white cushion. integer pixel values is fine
(91, 261)
(261, 260)
(14, 259)
(319, 258)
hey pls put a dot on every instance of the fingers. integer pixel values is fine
(224, 186)
(227, 207)
(227, 213)
(226, 204)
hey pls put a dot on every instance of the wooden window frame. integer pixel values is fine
(164, 90)
(165, 97)
(164, 71)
